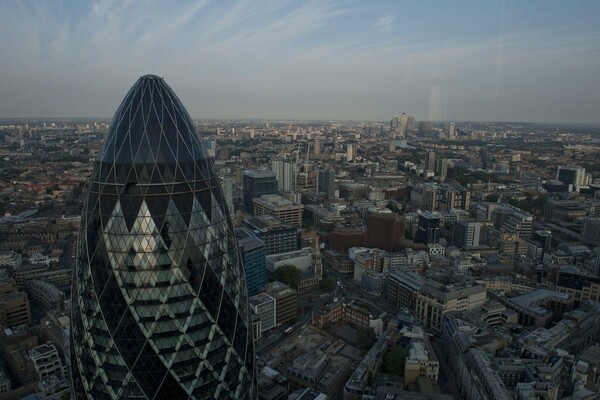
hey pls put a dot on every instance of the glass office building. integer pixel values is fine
(160, 307)
(257, 182)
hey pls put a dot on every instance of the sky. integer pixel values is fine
(533, 61)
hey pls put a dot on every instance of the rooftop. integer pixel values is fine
(259, 173)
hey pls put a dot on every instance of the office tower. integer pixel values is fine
(429, 228)
(286, 300)
(392, 146)
(277, 206)
(227, 185)
(466, 234)
(277, 235)
(571, 175)
(263, 305)
(160, 309)
(430, 160)
(285, 173)
(317, 147)
(441, 167)
(350, 152)
(513, 220)
(403, 123)
(590, 230)
(211, 148)
(14, 306)
(384, 231)
(257, 182)
(253, 254)
(394, 123)
(451, 130)
(326, 179)
(411, 122)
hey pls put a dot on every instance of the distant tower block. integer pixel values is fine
(403, 124)
(317, 147)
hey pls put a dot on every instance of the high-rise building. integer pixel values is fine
(403, 123)
(257, 183)
(392, 146)
(441, 167)
(449, 129)
(394, 123)
(326, 184)
(277, 235)
(384, 231)
(351, 150)
(590, 230)
(286, 300)
(228, 193)
(571, 175)
(317, 147)
(430, 160)
(466, 234)
(425, 128)
(253, 254)
(285, 172)
(160, 309)
(411, 122)
(211, 148)
(428, 231)
(277, 206)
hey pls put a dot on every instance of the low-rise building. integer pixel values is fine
(319, 371)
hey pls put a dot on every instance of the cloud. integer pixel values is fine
(385, 24)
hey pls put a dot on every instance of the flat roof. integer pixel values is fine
(259, 173)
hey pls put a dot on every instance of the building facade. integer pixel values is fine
(257, 183)
(277, 235)
(278, 207)
(160, 309)
(252, 250)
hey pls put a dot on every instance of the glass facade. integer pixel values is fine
(257, 183)
(160, 307)
(253, 254)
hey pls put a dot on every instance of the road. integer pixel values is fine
(446, 379)
(276, 336)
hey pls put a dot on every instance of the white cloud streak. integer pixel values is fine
(385, 24)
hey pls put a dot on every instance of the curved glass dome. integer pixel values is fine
(160, 308)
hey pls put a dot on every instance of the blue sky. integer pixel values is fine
(441, 60)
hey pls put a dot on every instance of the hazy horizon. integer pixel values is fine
(501, 61)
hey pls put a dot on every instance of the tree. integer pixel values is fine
(76, 192)
(288, 274)
(393, 207)
(327, 284)
(492, 198)
(393, 361)
(366, 337)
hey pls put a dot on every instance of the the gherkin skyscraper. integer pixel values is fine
(160, 308)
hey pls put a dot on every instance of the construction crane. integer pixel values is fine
(306, 169)
(297, 168)
(319, 169)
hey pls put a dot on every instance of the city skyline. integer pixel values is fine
(463, 61)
